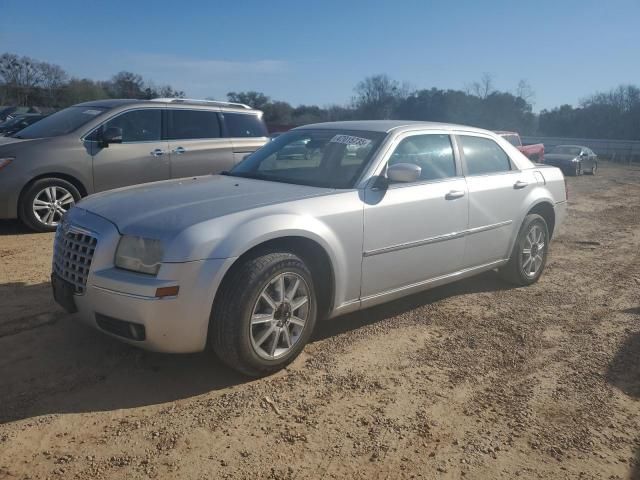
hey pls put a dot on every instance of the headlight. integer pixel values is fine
(6, 161)
(575, 159)
(139, 254)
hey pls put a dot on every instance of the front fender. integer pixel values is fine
(228, 239)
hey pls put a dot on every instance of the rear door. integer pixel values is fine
(247, 132)
(497, 192)
(141, 157)
(196, 143)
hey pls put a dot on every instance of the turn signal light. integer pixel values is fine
(163, 292)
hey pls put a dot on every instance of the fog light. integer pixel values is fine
(167, 291)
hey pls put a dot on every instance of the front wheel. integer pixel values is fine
(45, 201)
(265, 313)
(594, 168)
(529, 255)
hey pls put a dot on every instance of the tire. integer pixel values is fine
(233, 335)
(515, 271)
(578, 169)
(594, 169)
(36, 216)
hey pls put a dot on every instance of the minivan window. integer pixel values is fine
(432, 153)
(62, 122)
(144, 125)
(483, 156)
(193, 124)
(244, 125)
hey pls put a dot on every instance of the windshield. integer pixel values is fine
(566, 150)
(60, 123)
(320, 158)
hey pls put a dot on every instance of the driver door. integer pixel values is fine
(414, 232)
(141, 157)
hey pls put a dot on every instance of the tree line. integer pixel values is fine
(610, 115)
(25, 81)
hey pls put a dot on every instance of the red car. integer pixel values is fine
(534, 152)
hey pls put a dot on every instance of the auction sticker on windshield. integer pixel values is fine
(350, 140)
(92, 112)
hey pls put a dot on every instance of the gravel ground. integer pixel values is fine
(476, 380)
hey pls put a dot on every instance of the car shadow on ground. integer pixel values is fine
(13, 227)
(53, 364)
(624, 374)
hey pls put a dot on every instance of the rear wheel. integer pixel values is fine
(265, 313)
(45, 201)
(529, 255)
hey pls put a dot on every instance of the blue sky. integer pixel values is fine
(315, 52)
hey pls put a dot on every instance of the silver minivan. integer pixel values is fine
(94, 146)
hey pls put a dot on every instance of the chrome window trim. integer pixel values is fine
(436, 239)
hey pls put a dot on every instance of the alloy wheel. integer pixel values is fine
(279, 315)
(533, 251)
(51, 203)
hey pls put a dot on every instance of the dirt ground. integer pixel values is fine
(476, 380)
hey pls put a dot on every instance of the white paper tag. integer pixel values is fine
(350, 140)
(92, 112)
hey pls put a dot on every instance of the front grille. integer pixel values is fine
(72, 254)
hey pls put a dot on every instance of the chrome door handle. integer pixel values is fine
(453, 194)
(179, 150)
(157, 152)
(520, 184)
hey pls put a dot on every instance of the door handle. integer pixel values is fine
(179, 150)
(157, 152)
(453, 194)
(520, 184)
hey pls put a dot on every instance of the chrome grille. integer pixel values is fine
(72, 254)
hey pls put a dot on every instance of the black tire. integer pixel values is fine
(578, 169)
(230, 324)
(26, 210)
(514, 271)
(594, 169)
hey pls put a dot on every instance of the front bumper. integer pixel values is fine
(171, 324)
(176, 324)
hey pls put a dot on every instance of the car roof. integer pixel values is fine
(119, 102)
(387, 126)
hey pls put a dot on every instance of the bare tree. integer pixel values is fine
(53, 80)
(483, 87)
(376, 96)
(525, 91)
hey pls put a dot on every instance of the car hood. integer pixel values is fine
(558, 157)
(165, 208)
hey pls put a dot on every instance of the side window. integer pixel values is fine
(138, 125)
(432, 153)
(193, 124)
(244, 125)
(483, 156)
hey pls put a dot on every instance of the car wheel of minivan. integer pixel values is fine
(264, 313)
(529, 255)
(45, 201)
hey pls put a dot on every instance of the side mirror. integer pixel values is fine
(584, 154)
(111, 135)
(403, 173)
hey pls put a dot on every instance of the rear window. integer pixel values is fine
(244, 125)
(483, 156)
(193, 124)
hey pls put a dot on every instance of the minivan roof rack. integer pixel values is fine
(202, 102)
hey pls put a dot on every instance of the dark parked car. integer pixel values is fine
(15, 124)
(573, 159)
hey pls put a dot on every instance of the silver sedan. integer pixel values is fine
(248, 261)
